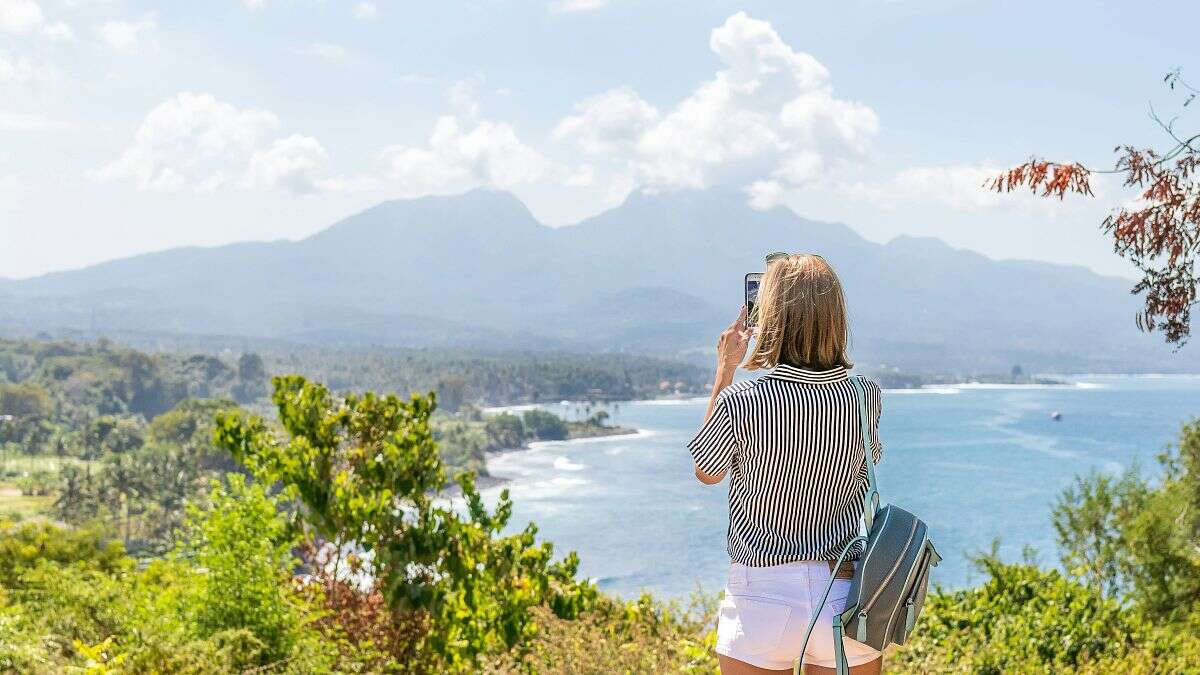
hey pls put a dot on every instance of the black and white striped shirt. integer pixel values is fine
(792, 444)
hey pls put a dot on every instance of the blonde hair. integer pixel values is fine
(801, 316)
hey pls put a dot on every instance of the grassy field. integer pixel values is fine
(16, 506)
(14, 470)
(14, 465)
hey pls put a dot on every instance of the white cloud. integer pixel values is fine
(254, 5)
(464, 96)
(59, 32)
(466, 150)
(17, 69)
(193, 140)
(962, 188)
(124, 36)
(329, 52)
(11, 188)
(488, 154)
(576, 5)
(22, 122)
(609, 122)
(365, 11)
(764, 194)
(294, 163)
(20, 16)
(25, 16)
(769, 111)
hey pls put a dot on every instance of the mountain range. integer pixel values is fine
(660, 274)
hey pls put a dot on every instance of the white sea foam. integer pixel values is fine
(960, 387)
(693, 400)
(929, 389)
(551, 488)
(564, 464)
(498, 409)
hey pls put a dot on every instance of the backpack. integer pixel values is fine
(892, 575)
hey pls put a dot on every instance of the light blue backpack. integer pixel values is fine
(892, 574)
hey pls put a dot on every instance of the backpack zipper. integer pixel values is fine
(892, 572)
(910, 582)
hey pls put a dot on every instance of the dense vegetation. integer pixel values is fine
(97, 432)
(492, 378)
(327, 550)
(1128, 602)
(199, 535)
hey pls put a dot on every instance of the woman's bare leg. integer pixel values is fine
(734, 667)
(869, 668)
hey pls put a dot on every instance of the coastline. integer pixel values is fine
(489, 480)
(933, 385)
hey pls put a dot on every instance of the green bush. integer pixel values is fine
(25, 546)
(365, 471)
(545, 426)
(1131, 537)
(505, 430)
(240, 549)
(1022, 619)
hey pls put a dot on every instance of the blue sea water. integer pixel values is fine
(980, 463)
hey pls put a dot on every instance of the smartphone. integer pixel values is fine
(753, 280)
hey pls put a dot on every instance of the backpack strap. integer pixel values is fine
(870, 506)
(837, 619)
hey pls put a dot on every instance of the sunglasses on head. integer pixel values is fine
(780, 255)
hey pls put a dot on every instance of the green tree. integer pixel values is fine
(462, 445)
(25, 400)
(545, 426)
(109, 434)
(24, 546)
(1021, 620)
(77, 500)
(244, 548)
(251, 379)
(452, 392)
(505, 431)
(1140, 538)
(365, 471)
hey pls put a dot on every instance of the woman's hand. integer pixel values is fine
(731, 346)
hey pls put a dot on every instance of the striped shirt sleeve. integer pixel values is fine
(713, 446)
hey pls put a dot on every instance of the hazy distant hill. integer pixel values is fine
(660, 273)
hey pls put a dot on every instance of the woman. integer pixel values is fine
(791, 443)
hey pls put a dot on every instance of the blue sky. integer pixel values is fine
(128, 127)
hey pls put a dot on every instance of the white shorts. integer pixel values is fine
(767, 609)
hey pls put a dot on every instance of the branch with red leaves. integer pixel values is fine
(1160, 235)
(1049, 178)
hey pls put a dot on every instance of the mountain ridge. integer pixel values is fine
(479, 266)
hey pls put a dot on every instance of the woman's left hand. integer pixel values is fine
(731, 346)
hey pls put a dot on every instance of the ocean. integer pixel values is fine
(980, 463)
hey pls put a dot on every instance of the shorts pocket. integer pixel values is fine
(751, 625)
(837, 596)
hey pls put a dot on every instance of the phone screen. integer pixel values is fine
(752, 282)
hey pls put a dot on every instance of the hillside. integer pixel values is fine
(658, 274)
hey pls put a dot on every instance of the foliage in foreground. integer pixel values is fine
(224, 602)
(1028, 620)
(364, 472)
(1129, 603)
(337, 556)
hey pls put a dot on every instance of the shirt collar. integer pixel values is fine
(793, 374)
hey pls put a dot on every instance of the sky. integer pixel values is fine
(128, 127)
